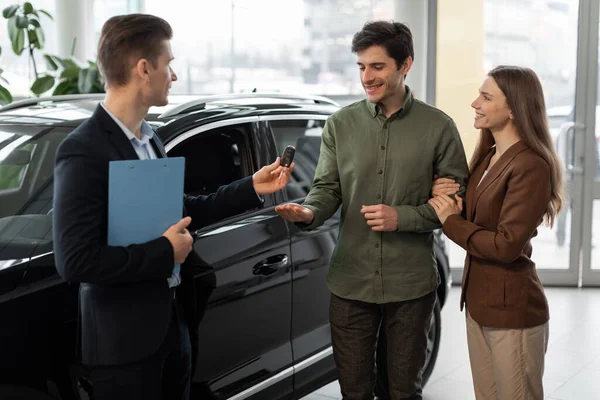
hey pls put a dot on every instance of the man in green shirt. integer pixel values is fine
(377, 160)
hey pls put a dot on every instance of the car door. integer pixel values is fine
(38, 309)
(311, 254)
(243, 285)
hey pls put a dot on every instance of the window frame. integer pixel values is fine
(291, 117)
(245, 161)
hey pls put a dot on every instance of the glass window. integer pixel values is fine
(27, 156)
(26, 169)
(214, 158)
(305, 136)
(300, 46)
(105, 9)
(475, 37)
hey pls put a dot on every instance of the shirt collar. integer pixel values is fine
(146, 130)
(408, 102)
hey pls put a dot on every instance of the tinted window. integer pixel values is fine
(26, 175)
(214, 158)
(305, 135)
(26, 168)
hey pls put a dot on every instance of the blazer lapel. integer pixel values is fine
(115, 134)
(474, 180)
(497, 169)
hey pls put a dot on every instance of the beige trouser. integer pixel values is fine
(507, 364)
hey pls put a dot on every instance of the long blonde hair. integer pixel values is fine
(525, 98)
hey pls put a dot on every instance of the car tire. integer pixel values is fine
(22, 393)
(433, 346)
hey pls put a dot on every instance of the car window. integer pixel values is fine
(305, 136)
(26, 168)
(214, 158)
(26, 183)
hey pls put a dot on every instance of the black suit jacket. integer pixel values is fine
(124, 298)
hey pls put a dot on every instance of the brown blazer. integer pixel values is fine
(500, 284)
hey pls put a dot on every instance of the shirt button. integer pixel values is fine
(376, 272)
(382, 147)
(378, 196)
(377, 245)
(380, 172)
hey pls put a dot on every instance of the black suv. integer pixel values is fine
(262, 296)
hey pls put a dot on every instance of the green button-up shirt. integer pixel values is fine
(368, 159)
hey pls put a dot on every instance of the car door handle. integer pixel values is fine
(270, 265)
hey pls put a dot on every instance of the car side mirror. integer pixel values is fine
(17, 157)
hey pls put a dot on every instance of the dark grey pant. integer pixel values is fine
(354, 329)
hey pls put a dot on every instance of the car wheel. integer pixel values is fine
(22, 393)
(433, 346)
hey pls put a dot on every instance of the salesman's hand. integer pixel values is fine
(180, 239)
(381, 218)
(271, 178)
(295, 213)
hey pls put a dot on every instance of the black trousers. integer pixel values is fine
(354, 330)
(165, 375)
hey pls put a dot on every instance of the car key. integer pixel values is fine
(288, 156)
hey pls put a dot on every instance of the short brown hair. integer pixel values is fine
(395, 37)
(125, 39)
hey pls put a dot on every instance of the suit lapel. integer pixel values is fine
(115, 134)
(496, 170)
(158, 147)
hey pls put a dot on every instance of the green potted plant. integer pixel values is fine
(72, 76)
(26, 33)
(5, 96)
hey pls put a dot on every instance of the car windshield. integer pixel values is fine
(26, 183)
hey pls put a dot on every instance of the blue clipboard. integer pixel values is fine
(145, 197)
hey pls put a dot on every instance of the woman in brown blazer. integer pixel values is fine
(515, 184)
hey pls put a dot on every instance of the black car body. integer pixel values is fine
(261, 295)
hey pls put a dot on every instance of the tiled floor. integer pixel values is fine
(572, 361)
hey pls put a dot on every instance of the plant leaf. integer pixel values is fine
(9, 11)
(68, 63)
(12, 29)
(32, 37)
(27, 8)
(42, 84)
(22, 22)
(52, 62)
(65, 87)
(87, 78)
(46, 13)
(35, 22)
(82, 81)
(41, 39)
(5, 96)
(70, 72)
(18, 45)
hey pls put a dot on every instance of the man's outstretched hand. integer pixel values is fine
(295, 213)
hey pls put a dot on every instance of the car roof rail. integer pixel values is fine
(200, 102)
(37, 100)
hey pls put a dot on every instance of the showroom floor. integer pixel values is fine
(572, 361)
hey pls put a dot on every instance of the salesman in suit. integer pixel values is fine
(133, 329)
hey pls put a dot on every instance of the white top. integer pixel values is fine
(483, 176)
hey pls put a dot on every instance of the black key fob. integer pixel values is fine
(288, 156)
